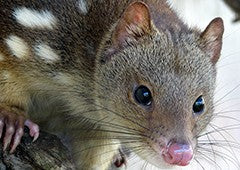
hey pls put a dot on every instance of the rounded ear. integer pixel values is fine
(212, 39)
(134, 23)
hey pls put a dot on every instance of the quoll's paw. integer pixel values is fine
(120, 160)
(12, 128)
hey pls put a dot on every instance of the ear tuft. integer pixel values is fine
(212, 39)
(135, 23)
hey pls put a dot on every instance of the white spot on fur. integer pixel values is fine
(6, 75)
(46, 53)
(18, 46)
(64, 78)
(82, 4)
(35, 19)
(1, 57)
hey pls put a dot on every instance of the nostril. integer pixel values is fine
(178, 154)
(168, 158)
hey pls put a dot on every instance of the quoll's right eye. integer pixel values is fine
(143, 96)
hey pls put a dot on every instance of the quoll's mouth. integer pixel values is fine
(178, 154)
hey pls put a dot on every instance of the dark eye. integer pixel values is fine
(143, 96)
(198, 106)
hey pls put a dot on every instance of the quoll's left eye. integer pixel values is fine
(198, 106)
(143, 96)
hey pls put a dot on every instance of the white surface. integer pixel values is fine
(200, 13)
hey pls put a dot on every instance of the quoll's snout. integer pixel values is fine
(178, 154)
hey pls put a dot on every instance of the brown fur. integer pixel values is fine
(96, 106)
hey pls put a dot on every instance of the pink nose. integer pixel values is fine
(178, 154)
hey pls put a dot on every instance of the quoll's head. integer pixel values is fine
(158, 85)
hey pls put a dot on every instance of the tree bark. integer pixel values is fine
(235, 6)
(46, 153)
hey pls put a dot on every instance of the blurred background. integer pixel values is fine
(199, 13)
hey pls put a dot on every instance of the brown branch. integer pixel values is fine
(235, 6)
(46, 153)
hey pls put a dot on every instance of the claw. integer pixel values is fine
(17, 139)
(34, 129)
(1, 126)
(18, 134)
(36, 135)
(10, 129)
